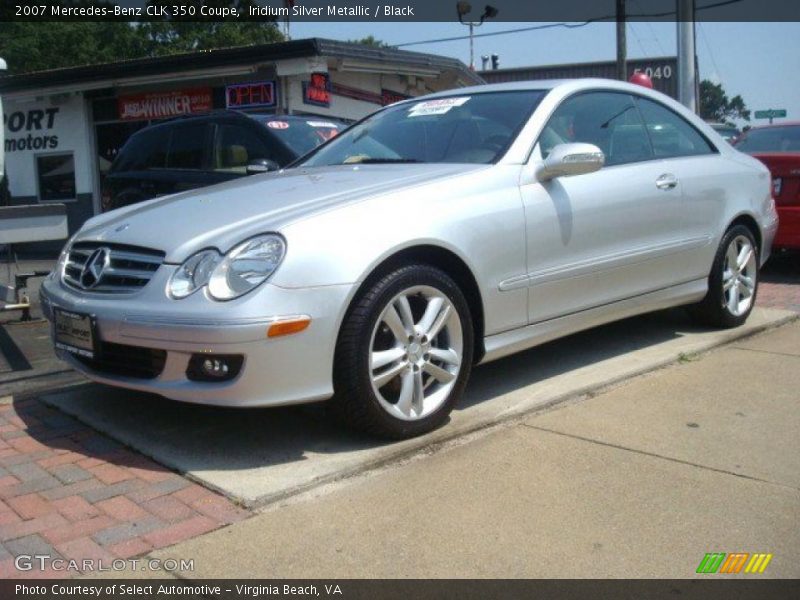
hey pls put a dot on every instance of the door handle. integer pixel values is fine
(667, 181)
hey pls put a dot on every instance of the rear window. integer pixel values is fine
(771, 139)
(302, 135)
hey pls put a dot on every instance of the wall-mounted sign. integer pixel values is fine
(317, 90)
(161, 105)
(390, 97)
(33, 129)
(256, 94)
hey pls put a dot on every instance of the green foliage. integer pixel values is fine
(36, 46)
(716, 106)
(370, 41)
(173, 36)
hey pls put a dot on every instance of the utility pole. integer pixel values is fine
(622, 45)
(687, 73)
(463, 8)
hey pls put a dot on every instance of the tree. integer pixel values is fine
(716, 106)
(370, 41)
(173, 36)
(29, 46)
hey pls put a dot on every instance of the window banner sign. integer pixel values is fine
(253, 94)
(390, 97)
(317, 91)
(162, 105)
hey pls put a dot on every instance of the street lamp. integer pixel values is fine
(464, 8)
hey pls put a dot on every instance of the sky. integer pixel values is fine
(760, 61)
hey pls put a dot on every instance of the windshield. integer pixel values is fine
(771, 139)
(302, 135)
(476, 128)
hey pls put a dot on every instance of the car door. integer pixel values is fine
(597, 238)
(705, 180)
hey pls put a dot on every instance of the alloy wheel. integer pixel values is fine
(739, 276)
(416, 351)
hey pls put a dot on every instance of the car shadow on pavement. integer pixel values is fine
(204, 438)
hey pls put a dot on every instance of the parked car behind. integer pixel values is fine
(728, 132)
(436, 234)
(192, 152)
(778, 147)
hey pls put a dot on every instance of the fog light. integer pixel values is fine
(214, 367)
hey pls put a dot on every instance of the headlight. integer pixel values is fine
(247, 266)
(62, 259)
(193, 273)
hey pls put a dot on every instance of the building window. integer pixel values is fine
(56, 176)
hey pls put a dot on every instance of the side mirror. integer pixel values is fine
(262, 165)
(566, 160)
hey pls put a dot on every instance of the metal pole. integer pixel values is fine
(686, 55)
(622, 49)
(471, 49)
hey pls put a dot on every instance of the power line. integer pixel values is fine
(638, 41)
(710, 51)
(652, 31)
(605, 18)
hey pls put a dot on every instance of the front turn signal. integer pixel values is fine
(288, 326)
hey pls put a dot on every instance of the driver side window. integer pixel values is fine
(609, 120)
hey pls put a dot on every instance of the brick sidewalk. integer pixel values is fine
(70, 492)
(780, 283)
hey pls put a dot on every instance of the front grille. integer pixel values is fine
(127, 269)
(126, 361)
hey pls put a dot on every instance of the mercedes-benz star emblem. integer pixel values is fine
(93, 269)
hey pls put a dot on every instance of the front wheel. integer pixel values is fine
(404, 354)
(733, 281)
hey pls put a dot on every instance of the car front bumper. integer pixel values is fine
(276, 371)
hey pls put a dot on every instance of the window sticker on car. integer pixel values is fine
(322, 124)
(436, 107)
(278, 124)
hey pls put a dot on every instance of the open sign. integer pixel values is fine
(257, 94)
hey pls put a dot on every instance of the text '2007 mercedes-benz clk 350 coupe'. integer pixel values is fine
(434, 235)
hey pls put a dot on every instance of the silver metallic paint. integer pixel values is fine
(549, 258)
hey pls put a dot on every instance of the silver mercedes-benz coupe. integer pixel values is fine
(436, 234)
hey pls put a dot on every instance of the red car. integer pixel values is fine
(778, 147)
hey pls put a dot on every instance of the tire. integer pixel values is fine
(719, 308)
(390, 379)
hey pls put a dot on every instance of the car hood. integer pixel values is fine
(223, 215)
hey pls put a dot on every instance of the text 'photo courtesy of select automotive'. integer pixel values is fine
(399, 300)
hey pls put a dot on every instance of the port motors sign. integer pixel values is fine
(162, 105)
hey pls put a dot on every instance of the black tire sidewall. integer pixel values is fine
(352, 366)
(716, 298)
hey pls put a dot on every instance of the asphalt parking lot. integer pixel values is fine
(140, 464)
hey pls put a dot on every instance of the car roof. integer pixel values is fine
(238, 114)
(774, 125)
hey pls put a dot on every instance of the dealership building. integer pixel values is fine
(64, 127)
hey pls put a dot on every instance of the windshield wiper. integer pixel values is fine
(378, 161)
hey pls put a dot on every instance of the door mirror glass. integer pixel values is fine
(565, 160)
(262, 165)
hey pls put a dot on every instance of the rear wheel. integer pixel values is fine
(733, 281)
(404, 354)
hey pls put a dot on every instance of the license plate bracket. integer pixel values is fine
(75, 332)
